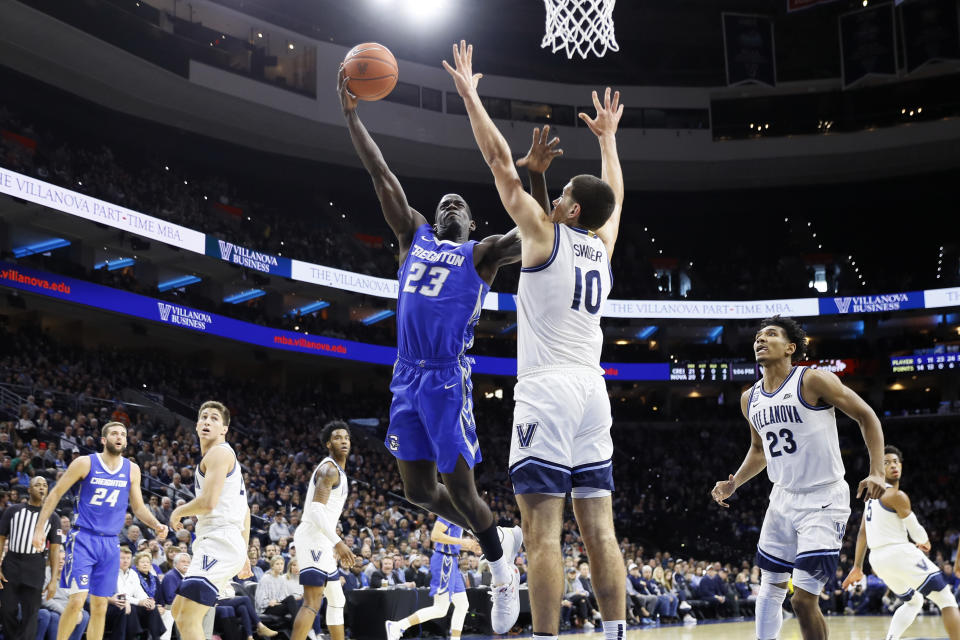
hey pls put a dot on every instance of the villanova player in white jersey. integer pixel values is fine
(223, 523)
(793, 432)
(319, 548)
(444, 277)
(108, 483)
(888, 525)
(561, 440)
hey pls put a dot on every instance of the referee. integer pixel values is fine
(22, 569)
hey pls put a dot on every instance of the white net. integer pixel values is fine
(580, 26)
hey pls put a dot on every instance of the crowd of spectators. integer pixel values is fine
(337, 222)
(686, 559)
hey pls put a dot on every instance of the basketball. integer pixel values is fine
(371, 69)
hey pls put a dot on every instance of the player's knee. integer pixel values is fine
(804, 602)
(460, 600)
(313, 597)
(97, 605)
(420, 495)
(943, 598)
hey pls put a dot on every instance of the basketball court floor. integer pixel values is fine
(841, 628)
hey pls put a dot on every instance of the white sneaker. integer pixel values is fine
(684, 606)
(689, 619)
(506, 602)
(394, 632)
(311, 635)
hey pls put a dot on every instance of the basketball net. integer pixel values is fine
(580, 26)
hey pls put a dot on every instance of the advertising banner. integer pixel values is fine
(235, 254)
(872, 304)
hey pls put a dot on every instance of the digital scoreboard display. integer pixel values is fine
(701, 372)
(934, 362)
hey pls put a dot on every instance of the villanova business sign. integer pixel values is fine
(872, 304)
(175, 314)
(248, 258)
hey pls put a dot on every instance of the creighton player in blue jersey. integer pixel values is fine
(446, 581)
(108, 484)
(793, 434)
(444, 277)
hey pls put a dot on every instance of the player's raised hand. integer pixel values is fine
(541, 152)
(344, 555)
(871, 487)
(723, 490)
(608, 114)
(348, 101)
(462, 71)
(856, 575)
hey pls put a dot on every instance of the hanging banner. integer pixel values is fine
(867, 46)
(748, 49)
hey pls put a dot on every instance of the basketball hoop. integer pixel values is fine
(580, 26)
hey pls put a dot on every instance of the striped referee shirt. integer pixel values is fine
(22, 560)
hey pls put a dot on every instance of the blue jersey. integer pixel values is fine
(103, 497)
(440, 298)
(454, 531)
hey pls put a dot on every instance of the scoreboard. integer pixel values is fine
(933, 362)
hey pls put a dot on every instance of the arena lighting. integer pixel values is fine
(716, 332)
(309, 308)
(378, 316)
(122, 263)
(421, 10)
(177, 283)
(647, 332)
(244, 296)
(40, 247)
(509, 329)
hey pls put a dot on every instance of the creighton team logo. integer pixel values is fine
(226, 249)
(525, 433)
(394, 442)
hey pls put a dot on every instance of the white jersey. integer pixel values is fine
(800, 441)
(559, 304)
(333, 508)
(884, 525)
(231, 508)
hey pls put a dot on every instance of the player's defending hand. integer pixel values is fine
(176, 520)
(723, 490)
(608, 114)
(871, 487)
(541, 152)
(463, 75)
(344, 555)
(161, 531)
(471, 545)
(856, 575)
(348, 101)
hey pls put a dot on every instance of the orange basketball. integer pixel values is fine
(371, 69)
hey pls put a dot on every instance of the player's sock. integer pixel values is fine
(769, 610)
(614, 629)
(489, 540)
(904, 616)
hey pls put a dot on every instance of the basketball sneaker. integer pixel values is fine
(506, 597)
(394, 632)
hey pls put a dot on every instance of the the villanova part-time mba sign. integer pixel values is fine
(244, 257)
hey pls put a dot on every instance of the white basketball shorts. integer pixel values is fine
(218, 555)
(561, 432)
(803, 530)
(905, 569)
(315, 556)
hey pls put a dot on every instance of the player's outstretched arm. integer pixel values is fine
(604, 126)
(399, 215)
(542, 151)
(218, 462)
(826, 386)
(859, 555)
(525, 211)
(140, 509)
(76, 472)
(753, 463)
(327, 478)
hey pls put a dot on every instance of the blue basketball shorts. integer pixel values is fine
(445, 576)
(431, 416)
(92, 563)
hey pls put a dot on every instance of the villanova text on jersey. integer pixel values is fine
(440, 298)
(776, 414)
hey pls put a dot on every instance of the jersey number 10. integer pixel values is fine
(594, 291)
